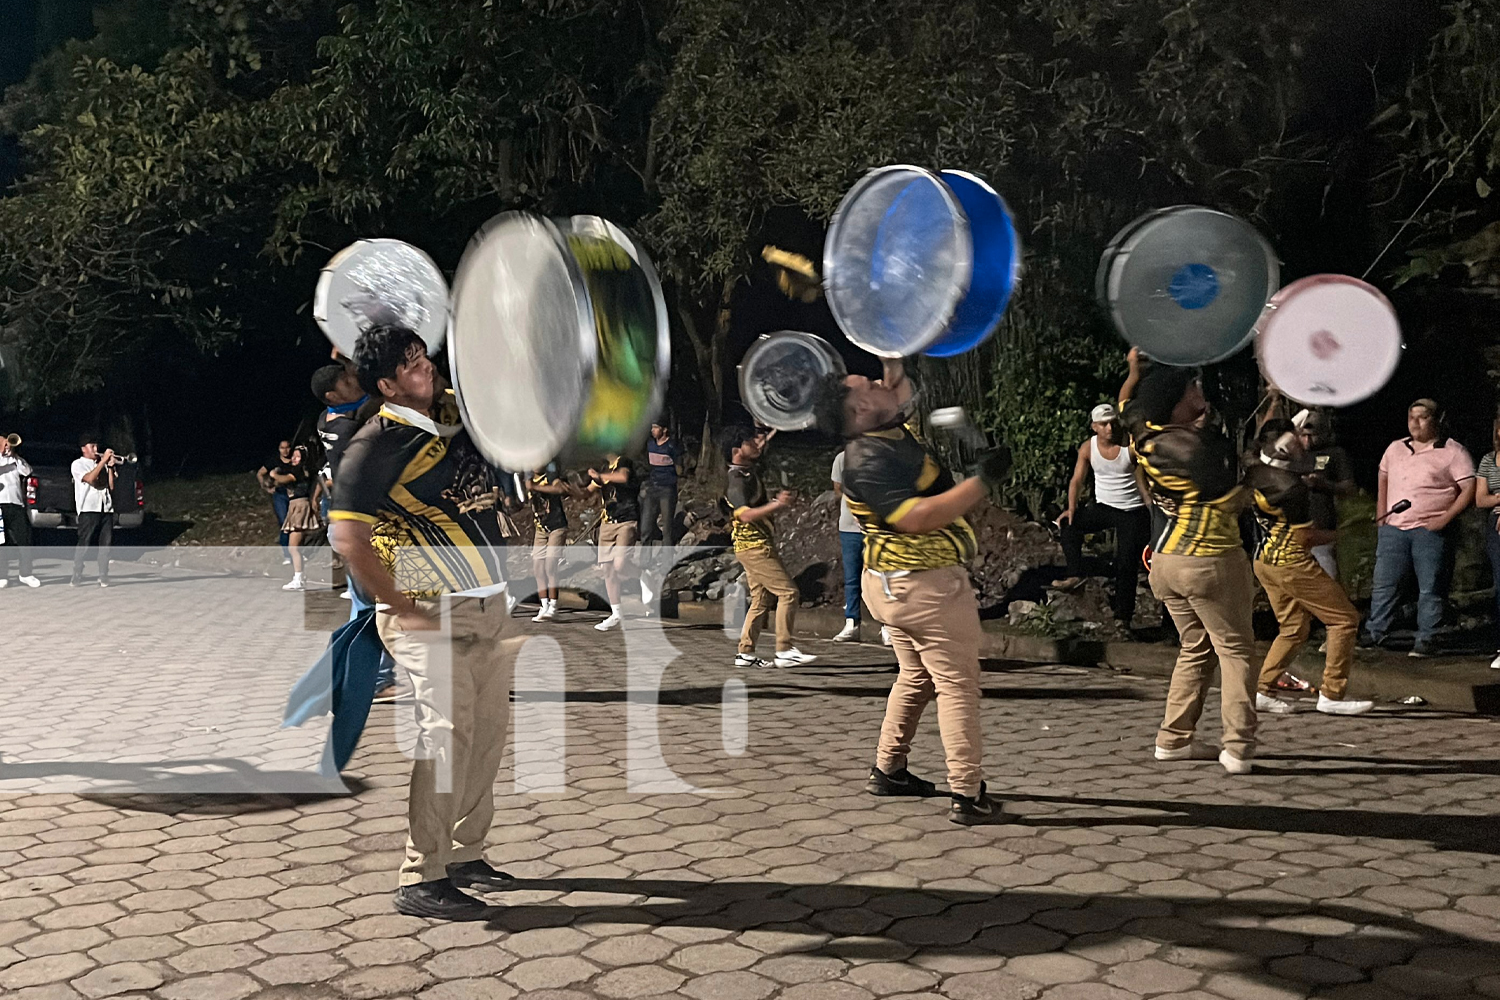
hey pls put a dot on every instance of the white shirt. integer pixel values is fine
(13, 473)
(87, 498)
(847, 520)
(1114, 478)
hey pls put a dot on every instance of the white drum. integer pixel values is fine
(1328, 340)
(381, 282)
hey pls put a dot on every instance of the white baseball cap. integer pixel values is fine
(1103, 413)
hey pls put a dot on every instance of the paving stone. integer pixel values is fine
(219, 986)
(45, 970)
(629, 949)
(464, 963)
(470, 989)
(702, 959)
(1052, 968)
(730, 986)
(991, 986)
(285, 969)
(549, 973)
(113, 980)
(382, 981)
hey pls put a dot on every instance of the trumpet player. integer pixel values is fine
(15, 527)
(93, 497)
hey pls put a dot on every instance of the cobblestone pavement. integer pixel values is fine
(1361, 860)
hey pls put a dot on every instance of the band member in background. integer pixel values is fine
(93, 499)
(547, 492)
(1297, 587)
(1119, 504)
(1199, 569)
(852, 548)
(659, 497)
(917, 547)
(279, 501)
(302, 492)
(414, 518)
(620, 488)
(14, 522)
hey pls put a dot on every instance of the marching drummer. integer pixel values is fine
(917, 545)
(619, 487)
(547, 492)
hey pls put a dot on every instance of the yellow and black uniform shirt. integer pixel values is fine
(1193, 480)
(429, 499)
(1283, 505)
(742, 491)
(547, 508)
(886, 474)
(622, 501)
(336, 430)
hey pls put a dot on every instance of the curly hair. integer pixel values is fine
(379, 351)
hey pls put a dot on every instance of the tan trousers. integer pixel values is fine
(934, 626)
(462, 690)
(768, 580)
(1211, 599)
(1298, 594)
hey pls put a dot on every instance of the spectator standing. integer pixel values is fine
(279, 501)
(1119, 505)
(852, 545)
(93, 500)
(15, 525)
(1436, 475)
(1487, 498)
(302, 517)
(659, 498)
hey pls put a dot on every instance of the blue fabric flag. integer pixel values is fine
(341, 682)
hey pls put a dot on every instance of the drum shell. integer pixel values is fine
(806, 351)
(996, 250)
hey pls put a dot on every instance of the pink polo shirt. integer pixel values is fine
(1430, 477)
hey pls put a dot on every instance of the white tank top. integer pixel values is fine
(1114, 479)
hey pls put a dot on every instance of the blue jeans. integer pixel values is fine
(853, 544)
(280, 503)
(1492, 547)
(357, 603)
(1397, 552)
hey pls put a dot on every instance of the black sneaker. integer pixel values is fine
(1423, 650)
(439, 899)
(1368, 641)
(77, 581)
(902, 782)
(479, 874)
(973, 812)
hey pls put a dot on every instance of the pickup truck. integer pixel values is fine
(49, 489)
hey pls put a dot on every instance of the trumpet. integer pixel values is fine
(122, 459)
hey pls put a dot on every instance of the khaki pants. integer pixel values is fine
(1298, 594)
(934, 626)
(1211, 600)
(768, 579)
(462, 689)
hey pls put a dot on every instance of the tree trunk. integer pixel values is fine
(709, 353)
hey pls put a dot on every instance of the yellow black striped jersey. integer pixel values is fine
(1192, 476)
(431, 502)
(547, 508)
(742, 491)
(1283, 507)
(886, 473)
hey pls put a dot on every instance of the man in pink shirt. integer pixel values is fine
(1436, 475)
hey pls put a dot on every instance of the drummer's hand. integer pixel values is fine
(1133, 358)
(784, 497)
(413, 619)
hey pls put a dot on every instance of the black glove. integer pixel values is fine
(993, 466)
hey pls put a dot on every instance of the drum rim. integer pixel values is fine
(505, 456)
(963, 268)
(1265, 324)
(814, 342)
(1118, 253)
(338, 260)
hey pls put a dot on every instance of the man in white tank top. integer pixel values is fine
(1119, 505)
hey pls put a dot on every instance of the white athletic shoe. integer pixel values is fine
(1272, 704)
(1495, 663)
(546, 614)
(286, 562)
(1180, 753)
(648, 594)
(751, 661)
(4, 583)
(1328, 706)
(1233, 764)
(511, 600)
(793, 658)
(347, 595)
(885, 636)
(851, 630)
(296, 583)
(612, 622)
(31, 582)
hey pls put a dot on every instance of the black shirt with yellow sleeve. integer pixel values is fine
(548, 509)
(1283, 508)
(886, 474)
(742, 491)
(430, 501)
(1193, 479)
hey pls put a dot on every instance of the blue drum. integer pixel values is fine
(1186, 285)
(920, 263)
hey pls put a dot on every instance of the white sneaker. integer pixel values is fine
(1495, 663)
(851, 629)
(1328, 706)
(613, 621)
(286, 562)
(793, 658)
(296, 584)
(1181, 753)
(546, 614)
(648, 594)
(1233, 764)
(4, 583)
(1272, 704)
(31, 582)
(885, 636)
(347, 595)
(751, 661)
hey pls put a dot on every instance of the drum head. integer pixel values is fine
(1329, 340)
(1185, 285)
(633, 343)
(375, 282)
(780, 376)
(897, 261)
(523, 348)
